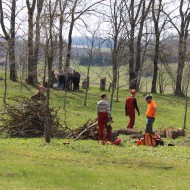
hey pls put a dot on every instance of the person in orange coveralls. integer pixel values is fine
(150, 113)
(104, 116)
(130, 106)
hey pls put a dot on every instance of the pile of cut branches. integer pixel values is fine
(89, 130)
(26, 119)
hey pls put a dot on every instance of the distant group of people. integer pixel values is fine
(104, 114)
(66, 80)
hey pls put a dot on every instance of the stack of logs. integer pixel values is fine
(90, 131)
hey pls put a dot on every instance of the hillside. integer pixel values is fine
(79, 165)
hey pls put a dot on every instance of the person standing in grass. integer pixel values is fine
(130, 106)
(150, 113)
(104, 116)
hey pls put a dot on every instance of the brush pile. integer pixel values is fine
(89, 130)
(26, 119)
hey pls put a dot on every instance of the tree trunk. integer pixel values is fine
(131, 60)
(117, 94)
(69, 46)
(87, 87)
(181, 63)
(156, 19)
(31, 67)
(12, 43)
(12, 60)
(138, 46)
(114, 82)
(37, 40)
(155, 74)
(47, 126)
(5, 82)
(114, 65)
(61, 43)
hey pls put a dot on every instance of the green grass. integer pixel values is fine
(32, 164)
(87, 165)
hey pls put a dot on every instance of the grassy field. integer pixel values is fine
(87, 165)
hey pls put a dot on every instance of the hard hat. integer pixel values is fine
(148, 97)
(117, 141)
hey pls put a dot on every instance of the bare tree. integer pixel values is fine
(74, 16)
(118, 39)
(165, 62)
(183, 33)
(33, 47)
(186, 97)
(135, 23)
(138, 61)
(50, 50)
(9, 36)
(92, 48)
(156, 15)
(62, 8)
(5, 82)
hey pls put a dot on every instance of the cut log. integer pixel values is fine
(166, 133)
(136, 136)
(174, 133)
(128, 131)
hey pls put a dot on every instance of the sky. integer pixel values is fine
(79, 30)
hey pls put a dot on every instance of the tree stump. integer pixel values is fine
(103, 83)
(85, 84)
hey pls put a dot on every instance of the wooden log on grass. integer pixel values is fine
(128, 131)
(166, 133)
(173, 133)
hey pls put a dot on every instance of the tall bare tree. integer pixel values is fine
(93, 47)
(9, 36)
(50, 51)
(118, 39)
(138, 60)
(157, 8)
(33, 45)
(75, 15)
(62, 18)
(183, 33)
(137, 12)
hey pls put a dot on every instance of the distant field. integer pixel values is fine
(96, 73)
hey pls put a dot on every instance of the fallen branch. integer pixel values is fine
(80, 134)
